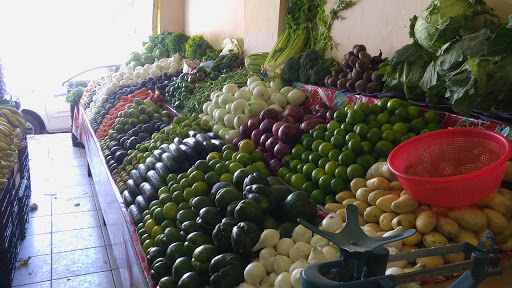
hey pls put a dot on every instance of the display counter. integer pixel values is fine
(125, 243)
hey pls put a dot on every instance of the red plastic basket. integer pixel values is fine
(451, 167)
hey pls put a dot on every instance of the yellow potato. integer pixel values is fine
(434, 239)
(378, 183)
(440, 211)
(447, 227)
(385, 202)
(431, 262)
(469, 218)
(416, 238)
(404, 192)
(362, 222)
(395, 185)
(454, 258)
(344, 195)
(374, 226)
(406, 220)
(380, 169)
(408, 248)
(357, 183)
(372, 214)
(426, 221)
(466, 236)
(385, 221)
(333, 207)
(496, 221)
(381, 233)
(362, 194)
(349, 201)
(405, 204)
(421, 208)
(361, 207)
(377, 194)
(499, 203)
(505, 192)
(506, 246)
(343, 214)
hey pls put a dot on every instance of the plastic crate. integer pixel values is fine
(14, 205)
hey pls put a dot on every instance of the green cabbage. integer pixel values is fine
(445, 20)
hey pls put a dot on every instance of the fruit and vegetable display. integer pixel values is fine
(12, 129)
(465, 63)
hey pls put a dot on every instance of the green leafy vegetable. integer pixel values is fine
(176, 44)
(444, 20)
(197, 47)
(75, 95)
(501, 42)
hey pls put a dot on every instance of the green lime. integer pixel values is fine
(300, 167)
(163, 190)
(330, 199)
(400, 128)
(361, 129)
(340, 116)
(282, 172)
(190, 171)
(417, 125)
(355, 171)
(170, 210)
(355, 116)
(200, 189)
(211, 178)
(424, 131)
(433, 126)
(347, 158)
(174, 188)
(383, 118)
(235, 166)
(309, 187)
(317, 174)
(325, 148)
(394, 104)
(355, 146)
(185, 183)
(212, 164)
(383, 148)
(375, 109)
(168, 224)
(253, 167)
(305, 156)
(333, 125)
(321, 127)
(325, 183)
(297, 151)
(318, 196)
(286, 160)
(319, 135)
(323, 162)
(314, 158)
(297, 181)
(288, 178)
(347, 127)
(294, 164)
(363, 106)
(373, 135)
(334, 155)
(340, 132)
(337, 185)
(148, 244)
(328, 135)
(171, 177)
(338, 141)
(366, 147)
(196, 176)
(308, 169)
(389, 136)
(182, 176)
(227, 155)
(364, 162)
(226, 177)
(316, 145)
(257, 156)
(341, 172)
(330, 167)
(246, 146)
(233, 158)
(222, 168)
(413, 112)
(244, 159)
(308, 142)
(260, 165)
(395, 119)
(178, 197)
(158, 216)
(383, 103)
(386, 127)
(431, 116)
(351, 136)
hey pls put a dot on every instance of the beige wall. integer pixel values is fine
(378, 24)
(384, 24)
(215, 19)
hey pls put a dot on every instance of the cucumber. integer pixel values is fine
(155, 179)
(132, 188)
(127, 199)
(162, 170)
(149, 191)
(135, 215)
(169, 161)
(150, 163)
(142, 203)
(157, 154)
(137, 177)
(143, 170)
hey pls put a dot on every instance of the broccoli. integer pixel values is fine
(319, 73)
(304, 75)
(176, 44)
(291, 70)
(310, 59)
(197, 47)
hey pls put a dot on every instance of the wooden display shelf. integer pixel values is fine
(125, 245)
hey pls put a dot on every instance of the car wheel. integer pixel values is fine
(33, 126)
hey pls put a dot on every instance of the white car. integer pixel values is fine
(48, 111)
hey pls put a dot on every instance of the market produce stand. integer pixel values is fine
(125, 245)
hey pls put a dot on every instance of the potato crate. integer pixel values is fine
(14, 204)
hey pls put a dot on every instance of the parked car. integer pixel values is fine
(48, 112)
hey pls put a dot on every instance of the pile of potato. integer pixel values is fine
(387, 209)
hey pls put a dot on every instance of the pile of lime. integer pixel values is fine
(330, 156)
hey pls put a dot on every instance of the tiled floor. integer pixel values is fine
(66, 236)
